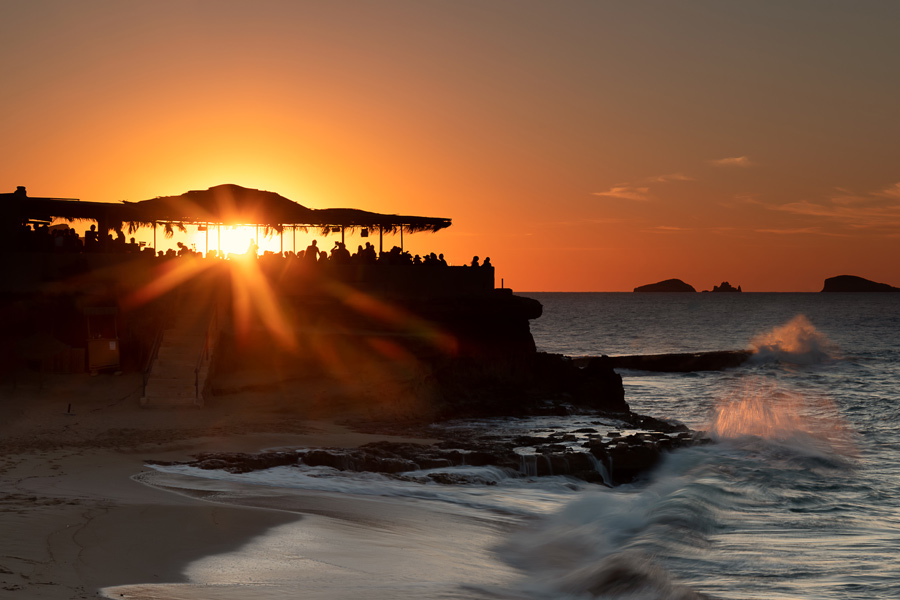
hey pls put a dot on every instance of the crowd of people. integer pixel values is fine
(367, 255)
(43, 238)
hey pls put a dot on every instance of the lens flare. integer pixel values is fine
(255, 300)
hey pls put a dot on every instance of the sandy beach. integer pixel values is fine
(81, 512)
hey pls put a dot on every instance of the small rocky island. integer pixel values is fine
(724, 287)
(669, 285)
(852, 283)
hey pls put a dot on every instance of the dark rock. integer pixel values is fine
(434, 463)
(626, 461)
(852, 283)
(669, 285)
(653, 424)
(601, 387)
(682, 362)
(449, 479)
(625, 457)
(329, 458)
(540, 384)
(550, 448)
(725, 287)
(236, 462)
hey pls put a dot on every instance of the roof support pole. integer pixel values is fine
(207, 240)
(294, 238)
(380, 240)
(342, 234)
(219, 239)
(154, 238)
(281, 240)
(401, 238)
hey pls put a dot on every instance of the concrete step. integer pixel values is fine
(162, 392)
(187, 355)
(175, 385)
(172, 336)
(161, 402)
(172, 378)
(168, 367)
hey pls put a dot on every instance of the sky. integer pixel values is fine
(582, 145)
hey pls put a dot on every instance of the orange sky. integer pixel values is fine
(583, 146)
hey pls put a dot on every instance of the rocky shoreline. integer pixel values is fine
(615, 449)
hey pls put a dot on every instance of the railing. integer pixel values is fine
(148, 364)
(211, 331)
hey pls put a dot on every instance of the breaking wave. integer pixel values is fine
(759, 408)
(797, 342)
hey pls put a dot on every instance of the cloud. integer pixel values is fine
(734, 161)
(876, 212)
(641, 191)
(800, 230)
(890, 192)
(670, 178)
(625, 192)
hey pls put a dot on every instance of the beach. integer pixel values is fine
(77, 517)
(796, 496)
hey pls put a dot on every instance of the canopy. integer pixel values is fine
(226, 204)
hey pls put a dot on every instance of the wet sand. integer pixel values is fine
(80, 512)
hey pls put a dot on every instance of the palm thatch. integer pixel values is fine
(227, 204)
(231, 204)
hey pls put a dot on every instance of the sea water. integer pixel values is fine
(799, 496)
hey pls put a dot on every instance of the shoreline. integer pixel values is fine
(85, 513)
(75, 515)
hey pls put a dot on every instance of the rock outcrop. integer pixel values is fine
(609, 458)
(852, 283)
(539, 384)
(682, 362)
(725, 287)
(669, 285)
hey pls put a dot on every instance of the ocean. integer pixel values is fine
(797, 498)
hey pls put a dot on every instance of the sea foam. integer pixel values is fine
(797, 342)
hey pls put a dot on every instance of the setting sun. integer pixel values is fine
(404, 299)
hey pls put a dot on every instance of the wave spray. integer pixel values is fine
(797, 342)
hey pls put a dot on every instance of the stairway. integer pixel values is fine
(179, 373)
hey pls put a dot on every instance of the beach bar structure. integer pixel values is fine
(221, 205)
(209, 210)
(172, 312)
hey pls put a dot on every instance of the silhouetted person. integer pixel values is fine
(119, 244)
(340, 254)
(474, 261)
(487, 262)
(371, 256)
(312, 252)
(90, 239)
(441, 260)
(253, 248)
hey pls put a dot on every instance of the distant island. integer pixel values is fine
(724, 287)
(852, 283)
(669, 285)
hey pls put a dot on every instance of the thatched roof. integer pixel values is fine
(227, 204)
